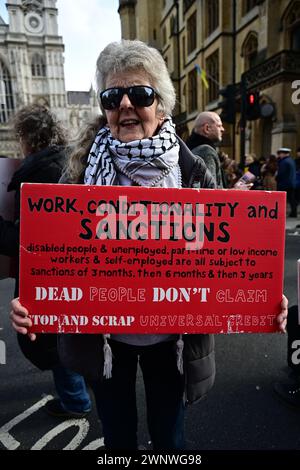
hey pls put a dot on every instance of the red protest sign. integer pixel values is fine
(141, 260)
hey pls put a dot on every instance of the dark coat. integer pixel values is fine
(286, 174)
(205, 149)
(41, 167)
(9, 237)
(84, 353)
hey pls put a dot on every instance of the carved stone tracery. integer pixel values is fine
(282, 66)
(32, 5)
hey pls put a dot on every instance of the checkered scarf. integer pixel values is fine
(146, 162)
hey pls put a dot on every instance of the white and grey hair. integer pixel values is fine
(127, 55)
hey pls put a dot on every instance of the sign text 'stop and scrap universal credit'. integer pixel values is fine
(144, 260)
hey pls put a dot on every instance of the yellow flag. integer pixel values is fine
(202, 74)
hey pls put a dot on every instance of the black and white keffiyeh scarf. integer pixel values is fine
(151, 162)
(148, 162)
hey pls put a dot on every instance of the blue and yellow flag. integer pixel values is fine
(202, 74)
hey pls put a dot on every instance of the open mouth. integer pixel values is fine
(129, 122)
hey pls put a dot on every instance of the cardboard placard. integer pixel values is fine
(151, 260)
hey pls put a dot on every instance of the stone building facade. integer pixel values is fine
(254, 40)
(32, 69)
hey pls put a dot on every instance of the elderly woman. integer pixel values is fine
(137, 144)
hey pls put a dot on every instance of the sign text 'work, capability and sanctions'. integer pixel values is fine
(140, 260)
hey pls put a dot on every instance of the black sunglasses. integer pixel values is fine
(139, 95)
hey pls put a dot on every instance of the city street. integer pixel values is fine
(240, 413)
(139, 107)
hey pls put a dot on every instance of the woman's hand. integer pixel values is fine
(20, 319)
(282, 317)
(21, 322)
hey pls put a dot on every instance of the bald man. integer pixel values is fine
(207, 132)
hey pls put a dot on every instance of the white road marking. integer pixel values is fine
(2, 352)
(7, 439)
(96, 444)
(10, 443)
(83, 428)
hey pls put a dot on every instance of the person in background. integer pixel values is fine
(268, 173)
(42, 142)
(138, 146)
(252, 164)
(231, 170)
(206, 134)
(286, 177)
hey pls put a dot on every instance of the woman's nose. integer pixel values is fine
(125, 102)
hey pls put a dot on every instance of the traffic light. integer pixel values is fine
(228, 104)
(252, 106)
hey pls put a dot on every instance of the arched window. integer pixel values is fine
(6, 94)
(193, 97)
(192, 32)
(184, 103)
(32, 4)
(249, 50)
(248, 5)
(38, 67)
(213, 76)
(212, 16)
(291, 21)
(164, 36)
(42, 101)
(74, 119)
